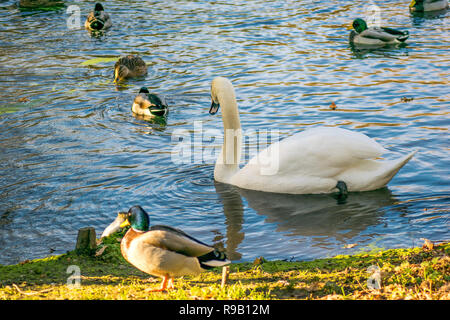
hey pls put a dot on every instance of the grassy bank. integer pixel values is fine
(415, 273)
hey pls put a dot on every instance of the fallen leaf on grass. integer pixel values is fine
(427, 245)
(100, 251)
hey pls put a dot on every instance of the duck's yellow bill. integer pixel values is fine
(350, 26)
(412, 4)
(124, 224)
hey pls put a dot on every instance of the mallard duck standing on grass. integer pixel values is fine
(149, 104)
(98, 19)
(161, 250)
(129, 67)
(373, 36)
(427, 5)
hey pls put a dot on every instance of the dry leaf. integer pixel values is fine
(283, 283)
(427, 245)
(350, 245)
(406, 99)
(333, 106)
(100, 251)
(23, 99)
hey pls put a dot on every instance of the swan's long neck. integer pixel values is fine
(227, 163)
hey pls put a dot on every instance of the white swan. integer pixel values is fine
(319, 160)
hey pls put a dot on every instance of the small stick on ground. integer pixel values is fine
(30, 293)
(225, 275)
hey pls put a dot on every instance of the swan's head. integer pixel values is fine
(220, 86)
(359, 25)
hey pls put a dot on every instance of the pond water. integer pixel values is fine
(72, 154)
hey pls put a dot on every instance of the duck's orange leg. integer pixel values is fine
(170, 284)
(163, 287)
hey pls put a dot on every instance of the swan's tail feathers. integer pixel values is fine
(402, 161)
(213, 259)
(395, 165)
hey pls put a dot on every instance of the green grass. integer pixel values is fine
(413, 273)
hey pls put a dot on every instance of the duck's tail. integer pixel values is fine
(400, 35)
(213, 259)
(97, 24)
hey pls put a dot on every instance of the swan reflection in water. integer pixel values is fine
(317, 215)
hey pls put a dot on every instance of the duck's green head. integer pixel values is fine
(98, 7)
(359, 25)
(137, 218)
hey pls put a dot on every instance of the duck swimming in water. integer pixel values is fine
(129, 67)
(149, 104)
(427, 5)
(374, 36)
(98, 19)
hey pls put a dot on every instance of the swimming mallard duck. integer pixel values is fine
(375, 36)
(40, 3)
(149, 104)
(427, 5)
(129, 67)
(98, 19)
(161, 250)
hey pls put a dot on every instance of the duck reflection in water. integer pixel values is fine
(317, 215)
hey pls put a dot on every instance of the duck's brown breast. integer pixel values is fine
(126, 242)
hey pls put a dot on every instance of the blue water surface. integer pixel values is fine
(72, 154)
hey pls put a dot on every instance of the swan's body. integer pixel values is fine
(312, 161)
(428, 5)
(98, 19)
(149, 104)
(362, 35)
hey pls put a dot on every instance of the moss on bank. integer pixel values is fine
(414, 273)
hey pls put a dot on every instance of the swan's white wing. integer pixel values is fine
(320, 152)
